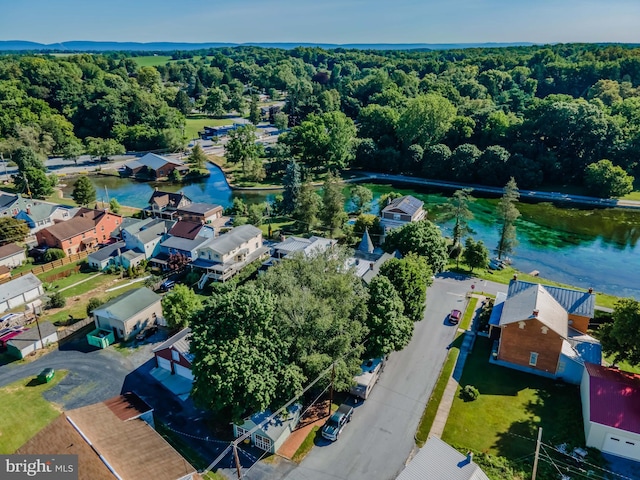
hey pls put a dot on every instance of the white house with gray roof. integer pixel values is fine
(306, 246)
(39, 215)
(23, 290)
(224, 256)
(130, 313)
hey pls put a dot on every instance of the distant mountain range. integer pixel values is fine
(87, 46)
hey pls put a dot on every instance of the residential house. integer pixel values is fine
(542, 330)
(173, 364)
(152, 166)
(24, 290)
(84, 231)
(165, 204)
(373, 268)
(146, 235)
(401, 211)
(191, 230)
(271, 431)
(306, 246)
(183, 246)
(10, 204)
(12, 255)
(112, 439)
(200, 212)
(224, 256)
(129, 313)
(39, 215)
(437, 460)
(115, 254)
(611, 410)
(35, 338)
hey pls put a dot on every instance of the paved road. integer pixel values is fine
(378, 441)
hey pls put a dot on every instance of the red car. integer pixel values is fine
(454, 316)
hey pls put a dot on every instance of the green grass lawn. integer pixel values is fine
(29, 411)
(151, 60)
(468, 313)
(504, 420)
(635, 195)
(195, 124)
(306, 446)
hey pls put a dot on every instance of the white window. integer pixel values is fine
(241, 431)
(175, 356)
(533, 359)
(263, 443)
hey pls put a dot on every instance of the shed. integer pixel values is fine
(20, 291)
(29, 340)
(129, 313)
(271, 432)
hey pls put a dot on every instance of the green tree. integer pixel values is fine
(239, 354)
(56, 300)
(216, 102)
(308, 207)
(423, 238)
(361, 198)
(291, 181)
(280, 120)
(26, 158)
(410, 276)
(114, 206)
(425, 120)
(92, 304)
(103, 149)
(73, 150)
(387, 198)
(389, 329)
(13, 230)
(182, 102)
(175, 176)
(332, 213)
(457, 208)
(242, 148)
(508, 213)
(476, 255)
(179, 305)
(257, 213)
(254, 110)
(83, 191)
(34, 182)
(621, 337)
(53, 254)
(372, 224)
(197, 158)
(606, 180)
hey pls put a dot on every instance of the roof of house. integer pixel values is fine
(232, 239)
(92, 214)
(19, 286)
(524, 304)
(614, 397)
(167, 199)
(128, 406)
(496, 311)
(126, 223)
(366, 245)
(41, 211)
(60, 436)
(132, 448)
(132, 254)
(7, 199)
(71, 228)
(586, 346)
(107, 252)
(185, 229)
(128, 304)
(308, 246)
(184, 244)
(275, 427)
(146, 232)
(133, 165)
(9, 250)
(181, 342)
(407, 204)
(374, 267)
(437, 460)
(154, 162)
(32, 335)
(573, 301)
(200, 208)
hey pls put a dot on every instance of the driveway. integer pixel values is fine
(380, 438)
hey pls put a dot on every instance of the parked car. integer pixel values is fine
(337, 422)
(454, 316)
(146, 333)
(167, 285)
(46, 375)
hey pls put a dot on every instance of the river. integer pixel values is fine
(584, 247)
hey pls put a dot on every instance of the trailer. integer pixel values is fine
(370, 373)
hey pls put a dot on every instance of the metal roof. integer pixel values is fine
(522, 305)
(108, 252)
(180, 342)
(200, 208)
(308, 246)
(439, 461)
(407, 204)
(128, 304)
(277, 425)
(233, 239)
(498, 305)
(154, 162)
(185, 244)
(366, 245)
(19, 286)
(573, 301)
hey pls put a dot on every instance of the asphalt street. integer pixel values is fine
(380, 438)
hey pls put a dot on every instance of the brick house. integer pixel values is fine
(84, 231)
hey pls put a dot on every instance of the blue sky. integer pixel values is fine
(322, 21)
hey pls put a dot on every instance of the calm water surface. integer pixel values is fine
(583, 247)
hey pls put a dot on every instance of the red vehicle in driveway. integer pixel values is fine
(454, 316)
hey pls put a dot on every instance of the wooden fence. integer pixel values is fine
(38, 269)
(71, 329)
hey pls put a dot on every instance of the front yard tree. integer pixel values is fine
(238, 354)
(507, 216)
(292, 184)
(607, 180)
(83, 191)
(361, 198)
(457, 208)
(197, 158)
(179, 305)
(332, 214)
(424, 238)
(389, 329)
(308, 207)
(254, 110)
(475, 254)
(621, 338)
(410, 276)
(12, 230)
(35, 183)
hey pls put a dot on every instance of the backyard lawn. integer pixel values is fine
(26, 412)
(504, 420)
(196, 123)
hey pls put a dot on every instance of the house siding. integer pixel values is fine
(14, 260)
(579, 322)
(516, 345)
(101, 232)
(131, 326)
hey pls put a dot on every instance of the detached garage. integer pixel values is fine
(611, 410)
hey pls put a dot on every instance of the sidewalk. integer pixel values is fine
(452, 385)
(315, 416)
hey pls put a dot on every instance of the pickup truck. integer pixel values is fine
(337, 422)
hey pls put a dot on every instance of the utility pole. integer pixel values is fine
(333, 376)
(235, 456)
(537, 454)
(35, 314)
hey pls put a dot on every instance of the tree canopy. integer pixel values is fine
(179, 305)
(83, 191)
(424, 238)
(621, 338)
(410, 276)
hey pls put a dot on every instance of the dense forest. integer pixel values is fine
(539, 114)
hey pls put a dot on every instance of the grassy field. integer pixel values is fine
(512, 405)
(29, 411)
(632, 196)
(195, 124)
(151, 60)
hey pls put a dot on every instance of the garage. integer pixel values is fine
(183, 371)
(164, 363)
(622, 446)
